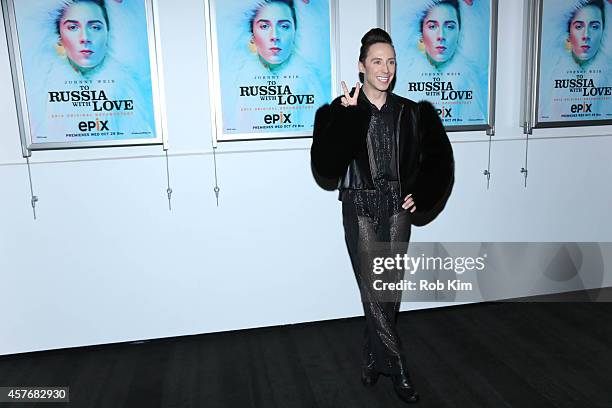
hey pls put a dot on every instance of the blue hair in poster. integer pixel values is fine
(274, 65)
(575, 81)
(443, 49)
(86, 70)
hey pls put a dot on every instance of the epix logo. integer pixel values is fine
(90, 125)
(277, 118)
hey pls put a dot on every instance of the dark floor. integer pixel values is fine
(483, 355)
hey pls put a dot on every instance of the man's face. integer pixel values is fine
(84, 34)
(586, 32)
(441, 32)
(379, 67)
(274, 32)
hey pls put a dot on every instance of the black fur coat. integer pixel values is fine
(339, 150)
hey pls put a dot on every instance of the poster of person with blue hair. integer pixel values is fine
(444, 53)
(575, 67)
(272, 65)
(87, 74)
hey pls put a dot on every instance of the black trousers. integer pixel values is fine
(388, 232)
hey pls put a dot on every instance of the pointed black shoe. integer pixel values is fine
(369, 373)
(403, 388)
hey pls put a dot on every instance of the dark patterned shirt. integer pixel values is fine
(385, 199)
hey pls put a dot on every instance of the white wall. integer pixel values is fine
(107, 262)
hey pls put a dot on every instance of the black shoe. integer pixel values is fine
(403, 388)
(369, 373)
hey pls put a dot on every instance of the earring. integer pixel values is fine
(421, 45)
(59, 49)
(252, 46)
(568, 45)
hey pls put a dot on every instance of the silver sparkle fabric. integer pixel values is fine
(371, 218)
(363, 239)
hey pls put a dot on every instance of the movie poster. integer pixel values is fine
(273, 66)
(575, 68)
(86, 72)
(443, 56)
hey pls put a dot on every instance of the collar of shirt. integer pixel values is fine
(386, 108)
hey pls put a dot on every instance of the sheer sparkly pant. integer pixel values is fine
(366, 235)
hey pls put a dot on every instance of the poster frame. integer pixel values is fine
(214, 79)
(17, 74)
(536, 15)
(489, 127)
(527, 73)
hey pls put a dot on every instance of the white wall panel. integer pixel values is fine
(107, 262)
